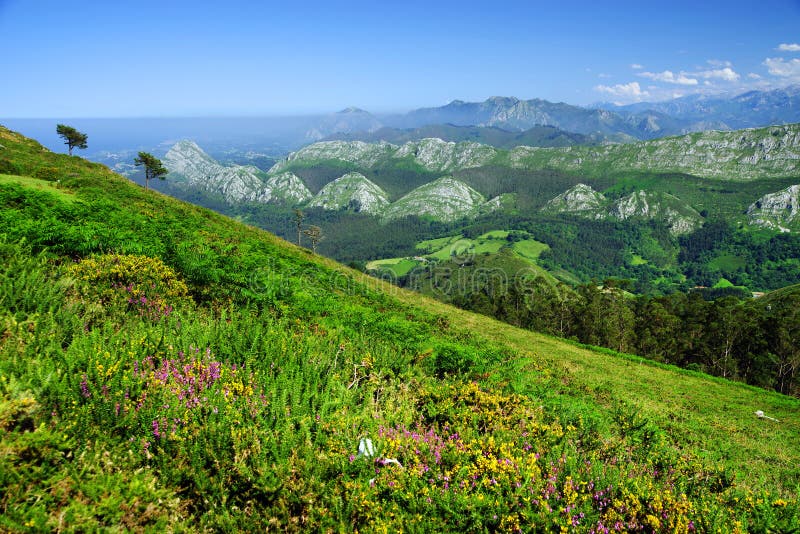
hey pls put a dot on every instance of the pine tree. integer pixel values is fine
(153, 168)
(72, 137)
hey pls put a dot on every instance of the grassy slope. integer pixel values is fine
(712, 415)
(39, 185)
(712, 418)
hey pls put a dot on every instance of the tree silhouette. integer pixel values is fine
(314, 234)
(299, 217)
(72, 137)
(153, 168)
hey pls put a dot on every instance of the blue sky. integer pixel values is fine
(195, 58)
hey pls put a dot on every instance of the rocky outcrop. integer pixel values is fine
(355, 152)
(445, 199)
(431, 154)
(584, 201)
(190, 166)
(441, 156)
(742, 155)
(579, 198)
(285, 188)
(354, 192)
(680, 217)
(777, 211)
(504, 201)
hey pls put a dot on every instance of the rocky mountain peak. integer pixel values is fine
(578, 198)
(352, 191)
(445, 199)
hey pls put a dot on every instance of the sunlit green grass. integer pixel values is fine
(39, 185)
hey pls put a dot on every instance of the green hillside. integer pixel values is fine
(163, 367)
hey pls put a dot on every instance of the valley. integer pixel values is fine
(634, 207)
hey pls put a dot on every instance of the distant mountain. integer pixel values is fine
(541, 136)
(745, 110)
(513, 114)
(346, 121)
(432, 155)
(741, 155)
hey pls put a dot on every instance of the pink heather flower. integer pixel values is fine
(85, 387)
(156, 434)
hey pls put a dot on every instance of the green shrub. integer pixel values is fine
(452, 358)
(51, 174)
(128, 282)
(7, 167)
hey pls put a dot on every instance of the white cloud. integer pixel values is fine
(604, 75)
(629, 92)
(753, 76)
(636, 66)
(669, 77)
(777, 66)
(727, 74)
(719, 63)
(789, 47)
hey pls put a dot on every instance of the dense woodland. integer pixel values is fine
(755, 340)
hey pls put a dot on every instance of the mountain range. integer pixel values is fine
(745, 110)
(541, 136)
(640, 121)
(446, 181)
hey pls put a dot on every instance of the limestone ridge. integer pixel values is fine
(353, 191)
(442, 156)
(431, 154)
(445, 199)
(286, 187)
(679, 216)
(584, 201)
(778, 210)
(355, 152)
(741, 155)
(190, 166)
